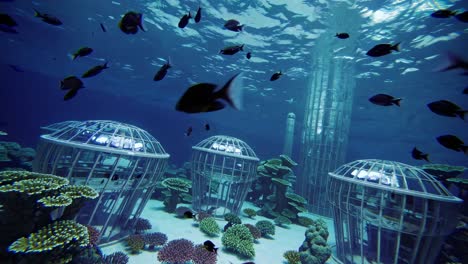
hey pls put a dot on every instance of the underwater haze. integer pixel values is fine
(280, 49)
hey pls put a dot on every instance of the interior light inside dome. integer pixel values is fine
(101, 139)
(226, 148)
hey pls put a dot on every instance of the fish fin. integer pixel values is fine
(462, 113)
(396, 47)
(426, 157)
(397, 101)
(242, 47)
(62, 85)
(105, 65)
(454, 62)
(37, 13)
(464, 149)
(74, 56)
(70, 94)
(232, 92)
(240, 27)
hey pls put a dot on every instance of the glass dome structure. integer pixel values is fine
(122, 162)
(223, 169)
(389, 212)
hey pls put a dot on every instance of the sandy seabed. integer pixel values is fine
(267, 251)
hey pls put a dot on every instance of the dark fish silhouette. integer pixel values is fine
(189, 131)
(342, 35)
(231, 50)
(84, 51)
(210, 246)
(7, 20)
(189, 214)
(233, 25)
(207, 127)
(71, 83)
(248, 55)
(463, 17)
(198, 15)
(417, 154)
(103, 27)
(447, 108)
(70, 94)
(385, 100)
(130, 23)
(276, 76)
(202, 97)
(443, 13)
(49, 19)
(184, 20)
(383, 49)
(94, 70)
(161, 73)
(455, 62)
(114, 177)
(465, 91)
(453, 142)
(227, 226)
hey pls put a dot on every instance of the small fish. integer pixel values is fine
(7, 20)
(385, 100)
(189, 214)
(130, 23)
(94, 70)
(3, 133)
(84, 51)
(227, 226)
(198, 15)
(249, 262)
(202, 97)
(447, 108)
(102, 182)
(71, 83)
(114, 177)
(443, 13)
(418, 155)
(342, 35)
(103, 27)
(465, 91)
(452, 142)
(231, 50)
(455, 62)
(138, 176)
(463, 17)
(276, 76)
(184, 20)
(383, 49)
(207, 127)
(248, 55)
(49, 19)
(233, 25)
(189, 131)
(162, 71)
(210, 246)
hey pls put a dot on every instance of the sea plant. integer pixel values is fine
(266, 228)
(254, 231)
(239, 240)
(292, 256)
(209, 226)
(250, 212)
(232, 218)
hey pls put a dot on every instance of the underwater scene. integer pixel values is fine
(233, 132)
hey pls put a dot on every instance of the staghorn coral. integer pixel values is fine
(155, 239)
(135, 243)
(209, 226)
(250, 212)
(58, 234)
(116, 258)
(141, 225)
(292, 256)
(203, 256)
(93, 235)
(176, 251)
(266, 227)
(239, 240)
(254, 231)
(232, 218)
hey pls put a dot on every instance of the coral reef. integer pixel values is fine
(141, 225)
(116, 258)
(93, 235)
(292, 256)
(266, 228)
(32, 201)
(254, 231)
(282, 221)
(232, 218)
(209, 226)
(314, 249)
(176, 251)
(156, 239)
(203, 256)
(239, 240)
(305, 221)
(202, 215)
(251, 213)
(12, 155)
(135, 243)
(176, 186)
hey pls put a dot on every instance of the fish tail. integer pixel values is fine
(454, 62)
(425, 157)
(74, 56)
(37, 13)
(464, 149)
(396, 47)
(241, 27)
(62, 84)
(189, 15)
(232, 92)
(397, 101)
(462, 113)
(105, 65)
(242, 47)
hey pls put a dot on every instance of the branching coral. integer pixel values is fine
(142, 224)
(239, 240)
(58, 234)
(116, 258)
(203, 256)
(254, 231)
(266, 227)
(292, 256)
(136, 243)
(93, 235)
(232, 218)
(176, 251)
(209, 226)
(250, 212)
(156, 239)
